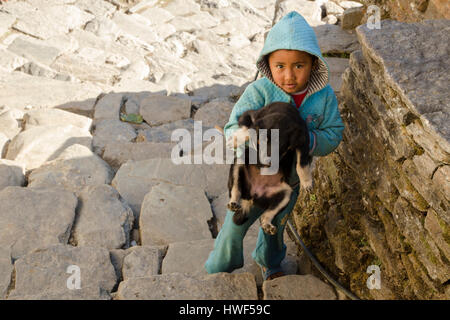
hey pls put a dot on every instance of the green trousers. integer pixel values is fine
(227, 254)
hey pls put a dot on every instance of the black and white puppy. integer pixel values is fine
(246, 185)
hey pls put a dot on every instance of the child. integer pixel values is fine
(295, 72)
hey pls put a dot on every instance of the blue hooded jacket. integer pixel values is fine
(319, 108)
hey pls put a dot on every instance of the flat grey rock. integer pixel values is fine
(6, 269)
(59, 18)
(9, 126)
(21, 90)
(142, 261)
(298, 287)
(46, 274)
(44, 218)
(34, 50)
(71, 174)
(214, 113)
(311, 11)
(111, 131)
(172, 213)
(333, 39)
(39, 144)
(48, 117)
(177, 286)
(157, 110)
(420, 77)
(12, 173)
(10, 61)
(103, 220)
(135, 179)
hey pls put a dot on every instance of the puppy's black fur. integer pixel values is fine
(245, 179)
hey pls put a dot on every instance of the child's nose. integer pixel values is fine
(289, 75)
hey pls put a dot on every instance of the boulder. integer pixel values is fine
(337, 67)
(413, 83)
(117, 153)
(214, 113)
(6, 21)
(135, 179)
(34, 50)
(142, 261)
(4, 140)
(333, 39)
(48, 274)
(10, 61)
(76, 167)
(108, 106)
(12, 173)
(48, 117)
(59, 19)
(6, 270)
(173, 213)
(351, 18)
(103, 220)
(311, 11)
(297, 287)
(21, 90)
(84, 69)
(157, 110)
(39, 144)
(177, 286)
(44, 218)
(9, 125)
(111, 131)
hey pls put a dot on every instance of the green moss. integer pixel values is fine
(363, 243)
(377, 261)
(445, 229)
(429, 252)
(344, 55)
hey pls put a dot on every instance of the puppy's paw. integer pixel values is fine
(239, 218)
(234, 206)
(269, 228)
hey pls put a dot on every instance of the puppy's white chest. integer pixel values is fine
(263, 185)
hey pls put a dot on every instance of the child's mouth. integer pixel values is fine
(290, 86)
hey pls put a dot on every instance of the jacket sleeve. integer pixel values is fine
(251, 99)
(327, 136)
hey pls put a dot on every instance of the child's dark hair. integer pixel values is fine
(314, 60)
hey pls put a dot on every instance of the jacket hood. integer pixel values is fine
(292, 32)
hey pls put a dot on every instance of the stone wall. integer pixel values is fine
(382, 198)
(412, 10)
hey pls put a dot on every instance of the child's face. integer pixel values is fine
(290, 69)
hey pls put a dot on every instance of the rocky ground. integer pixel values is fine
(79, 187)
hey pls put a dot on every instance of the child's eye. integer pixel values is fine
(279, 66)
(299, 66)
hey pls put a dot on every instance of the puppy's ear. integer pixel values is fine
(247, 118)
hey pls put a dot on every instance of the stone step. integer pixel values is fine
(172, 213)
(178, 286)
(64, 272)
(298, 287)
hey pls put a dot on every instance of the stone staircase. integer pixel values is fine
(92, 207)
